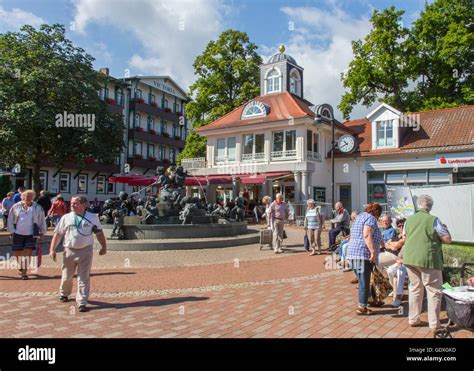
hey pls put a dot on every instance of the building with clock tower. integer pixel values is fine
(278, 142)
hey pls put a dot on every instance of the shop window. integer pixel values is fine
(377, 193)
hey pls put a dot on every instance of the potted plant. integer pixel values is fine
(139, 128)
(138, 156)
(89, 160)
(139, 100)
(151, 131)
(152, 158)
(166, 161)
(165, 134)
(167, 109)
(177, 137)
(110, 101)
(154, 104)
(179, 114)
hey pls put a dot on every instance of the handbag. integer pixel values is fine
(306, 242)
(284, 234)
(379, 286)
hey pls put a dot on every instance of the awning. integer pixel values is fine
(206, 180)
(262, 178)
(133, 180)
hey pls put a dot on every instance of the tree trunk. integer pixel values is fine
(36, 178)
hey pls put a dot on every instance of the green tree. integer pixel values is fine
(378, 70)
(5, 186)
(424, 67)
(42, 75)
(228, 76)
(442, 41)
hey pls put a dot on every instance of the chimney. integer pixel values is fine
(105, 71)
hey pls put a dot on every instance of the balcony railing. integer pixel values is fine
(225, 159)
(313, 156)
(253, 156)
(283, 155)
(193, 163)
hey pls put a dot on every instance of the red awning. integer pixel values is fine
(133, 180)
(206, 180)
(261, 178)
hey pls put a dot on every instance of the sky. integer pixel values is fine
(164, 37)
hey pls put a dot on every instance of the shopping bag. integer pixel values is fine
(306, 242)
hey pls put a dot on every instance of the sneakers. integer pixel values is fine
(63, 299)
(419, 324)
(397, 303)
(83, 308)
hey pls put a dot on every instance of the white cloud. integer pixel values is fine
(12, 20)
(172, 33)
(321, 44)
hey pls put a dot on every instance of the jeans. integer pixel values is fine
(333, 233)
(362, 269)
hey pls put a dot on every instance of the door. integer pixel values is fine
(345, 196)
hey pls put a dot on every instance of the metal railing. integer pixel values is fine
(313, 156)
(193, 163)
(283, 155)
(253, 156)
(298, 211)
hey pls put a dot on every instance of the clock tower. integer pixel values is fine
(281, 73)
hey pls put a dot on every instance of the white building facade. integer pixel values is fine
(274, 143)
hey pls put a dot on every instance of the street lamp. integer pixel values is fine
(325, 113)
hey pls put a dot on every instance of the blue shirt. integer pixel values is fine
(389, 234)
(357, 248)
(17, 197)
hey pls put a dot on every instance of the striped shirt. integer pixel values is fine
(357, 248)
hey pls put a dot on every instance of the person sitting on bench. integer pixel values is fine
(341, 221)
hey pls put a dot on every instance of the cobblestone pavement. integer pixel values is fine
(247, 293)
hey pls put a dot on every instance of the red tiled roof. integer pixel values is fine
(440, 130)
(282, 107)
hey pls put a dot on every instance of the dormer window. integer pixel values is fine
(384, 133)
(295, 82)
(254, 109)
(273, 81)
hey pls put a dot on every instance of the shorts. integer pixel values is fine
(21, 242)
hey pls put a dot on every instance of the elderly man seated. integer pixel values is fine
(397, 270)
(342, 224)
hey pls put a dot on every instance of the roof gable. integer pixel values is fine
(439, 130)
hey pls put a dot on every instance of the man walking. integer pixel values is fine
(278, 212)
(77, 228)
(342, 223)
(423, 258)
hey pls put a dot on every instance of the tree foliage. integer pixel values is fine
(424, 67)
(42, 74)
(228, 76)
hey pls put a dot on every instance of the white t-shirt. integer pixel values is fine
(78, 230)
(24, 225)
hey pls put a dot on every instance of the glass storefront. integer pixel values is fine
(378, 180)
